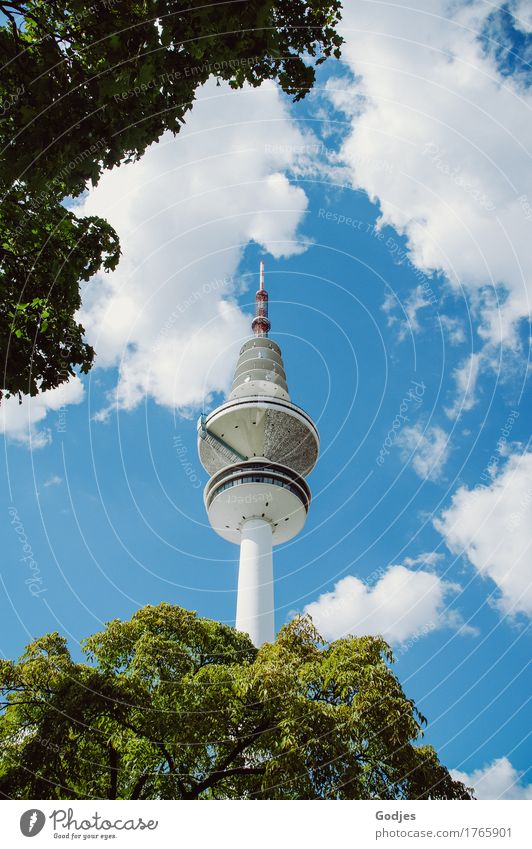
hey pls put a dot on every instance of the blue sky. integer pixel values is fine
(391, 209)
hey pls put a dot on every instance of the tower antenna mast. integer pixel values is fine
(261, 323)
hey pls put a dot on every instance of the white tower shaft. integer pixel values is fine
(254, 610)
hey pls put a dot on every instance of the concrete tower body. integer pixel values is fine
(258, 448)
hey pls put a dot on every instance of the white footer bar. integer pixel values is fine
(245, 824)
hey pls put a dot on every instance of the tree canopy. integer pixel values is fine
(85, 87)
(171, 706)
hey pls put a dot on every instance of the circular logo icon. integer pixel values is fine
(32, 822)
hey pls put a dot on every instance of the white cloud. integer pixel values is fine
(456, 135)
(429, 450)
(19, 422)
(465, 378)
(498, 780)
(54, 480)
(417, 300)
(428, 558)
(185, 213)
(523, 14)
(454, 328)
(404, 603)
(388, 307)
(491, 526)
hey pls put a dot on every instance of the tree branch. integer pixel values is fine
(113, 771)
(14, 28)
(219, 775)
(139, 785)
(164, 751)
(220, 771)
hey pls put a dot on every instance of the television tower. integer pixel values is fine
(258, 448)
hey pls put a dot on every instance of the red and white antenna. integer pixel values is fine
(261, 323)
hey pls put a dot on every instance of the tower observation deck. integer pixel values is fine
(258, 447)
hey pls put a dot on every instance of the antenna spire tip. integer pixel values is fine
(261, 323)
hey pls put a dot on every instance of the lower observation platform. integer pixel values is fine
(257, 490)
